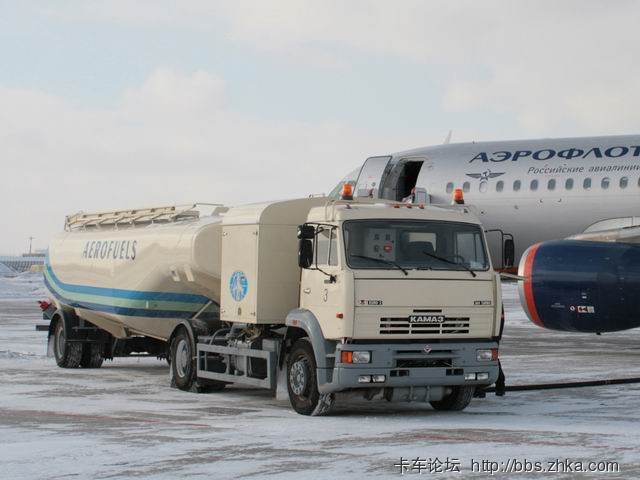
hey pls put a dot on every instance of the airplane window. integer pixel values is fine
(499, 186)
(466, 186)
(516, 186)
(587, 183)
(605, 182)
(534, 185)
(568, 184)
(449, 187)
(624, 181)
(483, 187)
(551, 184)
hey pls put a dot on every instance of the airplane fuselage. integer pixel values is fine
(536, 190)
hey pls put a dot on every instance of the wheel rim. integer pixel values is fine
(182, 358)
(299, 376)
(60, 340)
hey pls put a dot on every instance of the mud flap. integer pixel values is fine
(50, 341)
(282, 392)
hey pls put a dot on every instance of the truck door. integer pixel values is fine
(321, 284)
(371, 176)
(502, 249)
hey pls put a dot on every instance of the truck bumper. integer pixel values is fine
(401, 366)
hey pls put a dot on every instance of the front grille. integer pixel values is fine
(402, 326)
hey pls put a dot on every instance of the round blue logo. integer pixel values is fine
(238, 285)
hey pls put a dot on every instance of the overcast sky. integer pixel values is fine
(113, 104)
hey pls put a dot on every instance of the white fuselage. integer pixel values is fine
(580, 181)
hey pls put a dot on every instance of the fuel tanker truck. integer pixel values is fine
(371, 298)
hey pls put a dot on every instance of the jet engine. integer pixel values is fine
(581, 286)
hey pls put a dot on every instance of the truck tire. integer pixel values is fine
(68, 354)
(92, 355)
(458, 399)
(302, 382)
(183, 365)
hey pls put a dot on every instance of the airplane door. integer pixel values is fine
(371, 175)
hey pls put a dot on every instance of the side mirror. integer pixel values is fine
(306, 232)
(509, 253)
(305, 253)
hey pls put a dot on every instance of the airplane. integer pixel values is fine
(531, 195)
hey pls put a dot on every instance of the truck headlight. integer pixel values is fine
(361, 357)
(488, 354)
(348, 356)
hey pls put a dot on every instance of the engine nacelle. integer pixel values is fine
(581, 286)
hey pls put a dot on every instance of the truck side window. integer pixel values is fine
(327, 247)
(468, 246)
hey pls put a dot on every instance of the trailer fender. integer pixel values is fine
(323, 349)
(69, 320)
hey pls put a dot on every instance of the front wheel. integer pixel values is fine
(458, 399)
(302, 382)
(68, 354)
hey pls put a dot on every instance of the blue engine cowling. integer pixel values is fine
(581, 286)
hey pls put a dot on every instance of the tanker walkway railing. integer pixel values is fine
(140, 216)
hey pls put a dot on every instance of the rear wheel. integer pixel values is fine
(182, 361)
(302, 382)
(183, 365)
(92, 355)
(458, 399)
(68, 354)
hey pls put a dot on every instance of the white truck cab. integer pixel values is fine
(392, 300)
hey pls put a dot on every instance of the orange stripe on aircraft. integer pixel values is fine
(528, 286)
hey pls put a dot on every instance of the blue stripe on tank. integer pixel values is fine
(127, 294)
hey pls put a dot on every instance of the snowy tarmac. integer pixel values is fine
(123, 420)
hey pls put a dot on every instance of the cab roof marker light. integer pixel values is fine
(347, 192)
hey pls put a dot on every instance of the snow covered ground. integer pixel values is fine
(124, 421)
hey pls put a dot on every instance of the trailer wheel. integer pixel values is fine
(458, 399)
(92, 355)
(302, 382)
(68, 354)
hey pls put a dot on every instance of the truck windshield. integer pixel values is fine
(414, 244)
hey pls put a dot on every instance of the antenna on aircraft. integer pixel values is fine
(447, 139)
